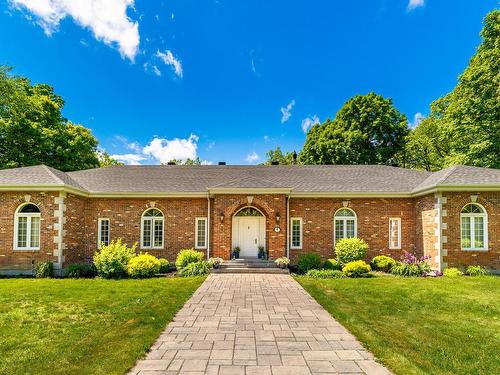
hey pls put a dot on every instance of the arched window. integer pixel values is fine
(27, 227)
(345, 225)
(474, 227)
(152, 229)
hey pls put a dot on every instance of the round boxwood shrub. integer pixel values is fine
(382, 263)
(308, 261)
(81, 271)
(143, 265)
(195, 269)
(332, 264)
(164, 265)
(358, 268)
(477, 271)
(452, 272)
(350, 250)
(111, 260)
(325, 274)
(187, 256)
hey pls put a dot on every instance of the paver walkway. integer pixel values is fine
(255, 324)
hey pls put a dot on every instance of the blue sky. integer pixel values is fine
(229, 80)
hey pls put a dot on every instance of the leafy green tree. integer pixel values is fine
(188, 161)
(368, 129)
(470, 114)
(279, 157)
(33, 130)
(105, 160)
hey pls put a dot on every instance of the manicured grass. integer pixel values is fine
(420, 325)
(84, 326)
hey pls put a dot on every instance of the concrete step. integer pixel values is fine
(266, 270)
(248, 265)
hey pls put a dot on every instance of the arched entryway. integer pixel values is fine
(249, 231)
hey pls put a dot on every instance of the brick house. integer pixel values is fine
(452, 215)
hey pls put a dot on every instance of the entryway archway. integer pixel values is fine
(249, 231)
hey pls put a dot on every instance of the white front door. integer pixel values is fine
(248, 233)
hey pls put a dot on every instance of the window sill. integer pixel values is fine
(200, 247)
(152, 248)
(295, 248)
(480, 250)
(394, 248)
(18, 249)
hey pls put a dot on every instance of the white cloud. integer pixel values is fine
(156, 71)
(252, 157)
(286, 112)
(130, 159)
(107, 19)
(308, 123)
(417, 119)
(165, 150)
(169, 59)
(207, 162)
(413, 4)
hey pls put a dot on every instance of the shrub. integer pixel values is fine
(111, 260)
(164, 265)
(143, 265)
(309, 261)
(44, 269)
(382, 263)
(350, 250)
(81, 270)
(411, 265)
(477, 271)
(282, 262)
(187, 256)
(452, 272)
(215, 262)
(358, 268)
(195, 269)
(325, 274)
(332, 264)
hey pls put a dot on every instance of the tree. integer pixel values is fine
(470, 114)
(188, 161)
(105, 160)
(33, 130)
(368, 129)
(279, 157)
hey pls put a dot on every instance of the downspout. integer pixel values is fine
(60, 229)
(288, 226)
(208, 226)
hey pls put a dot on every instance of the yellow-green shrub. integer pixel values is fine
(357, 268)
(332, 264)
(452, 272)
(143, 265)
(111, 260)
(164, 265)
(187, 256)
(382, 263)
(350, 249)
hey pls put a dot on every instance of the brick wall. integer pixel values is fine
(14, 260)
(453, 256)
(427, 228)
(373, 224)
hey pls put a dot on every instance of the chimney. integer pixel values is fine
(294, 158)
(171, 162)
(222, 163)
(274, 162)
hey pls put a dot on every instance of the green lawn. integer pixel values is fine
(64, 326)
(420, 325)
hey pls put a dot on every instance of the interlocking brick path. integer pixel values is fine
(255, 324)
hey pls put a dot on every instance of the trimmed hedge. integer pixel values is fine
(358, 268)
(308, 261)
(325, 274)
(350, 250)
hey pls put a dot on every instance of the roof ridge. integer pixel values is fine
(49, 170)
(239, 179)
(447, 174)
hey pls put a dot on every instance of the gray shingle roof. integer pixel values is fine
(298, 178)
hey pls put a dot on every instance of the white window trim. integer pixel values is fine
(28, 215)
(291, 233)
(196, 246)
(153, 219)
(484, 215)
(398, 219)
(344, 219)
(99, 221)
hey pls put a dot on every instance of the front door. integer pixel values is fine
(248, 236)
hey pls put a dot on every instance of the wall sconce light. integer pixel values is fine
(277, 216)
(222, 217)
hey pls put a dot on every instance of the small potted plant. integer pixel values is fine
(282, 262)
(262, 252)
(215, 262)
(236, 252)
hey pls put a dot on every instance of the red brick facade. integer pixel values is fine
(430, 225)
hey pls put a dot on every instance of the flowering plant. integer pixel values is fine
(282, 262)
(215, 262)
(411, 265)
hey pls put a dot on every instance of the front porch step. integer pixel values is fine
(266, 270)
